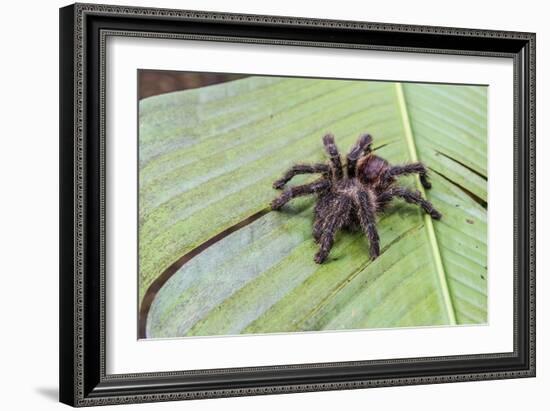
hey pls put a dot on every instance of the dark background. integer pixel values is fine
(155, 82)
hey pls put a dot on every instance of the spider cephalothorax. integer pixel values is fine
(351, 195)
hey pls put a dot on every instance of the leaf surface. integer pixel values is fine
(208, 158)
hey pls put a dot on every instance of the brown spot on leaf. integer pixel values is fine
(469, 221)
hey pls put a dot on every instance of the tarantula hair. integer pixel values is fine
(351, 195)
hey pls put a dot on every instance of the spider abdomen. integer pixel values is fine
(371, 169)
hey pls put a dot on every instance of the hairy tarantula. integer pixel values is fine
(352, 195)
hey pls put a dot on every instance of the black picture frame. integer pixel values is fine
(83, 29)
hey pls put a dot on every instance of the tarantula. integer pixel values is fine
(350, 196)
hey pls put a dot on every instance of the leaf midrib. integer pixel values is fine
(410, 141)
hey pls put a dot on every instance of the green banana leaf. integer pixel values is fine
(207, 161)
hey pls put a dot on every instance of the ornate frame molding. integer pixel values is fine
(82, 335)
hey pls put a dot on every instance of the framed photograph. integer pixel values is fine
(261, 204)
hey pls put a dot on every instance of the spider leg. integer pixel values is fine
(318, 226)
(412, 168)
(297, 191)
(300, 169)
(366, 213)
(320, 216)
(357, 150)
(413, 197)
(331, 224)
(332, 150)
